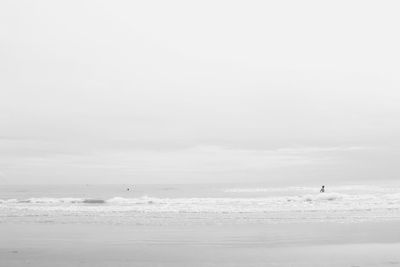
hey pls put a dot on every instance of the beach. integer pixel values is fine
(207, 225)
(315, 244)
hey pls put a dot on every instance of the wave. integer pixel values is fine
(268, 189)
(299, 189)
(277, 201)
(47, 200)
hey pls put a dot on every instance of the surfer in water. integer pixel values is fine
(322, 189)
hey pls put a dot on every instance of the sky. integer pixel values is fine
(290, 92)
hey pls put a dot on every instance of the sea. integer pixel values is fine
(197, 204)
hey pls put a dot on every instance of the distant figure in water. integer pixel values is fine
(322, 189)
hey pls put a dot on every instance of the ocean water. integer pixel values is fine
(197, 204)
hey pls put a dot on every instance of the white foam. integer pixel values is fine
(317, 202)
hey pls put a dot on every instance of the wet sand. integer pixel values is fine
(315, 244)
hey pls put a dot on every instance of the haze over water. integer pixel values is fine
(222, 118)
(176, 92)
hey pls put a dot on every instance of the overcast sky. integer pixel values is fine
(96, 91)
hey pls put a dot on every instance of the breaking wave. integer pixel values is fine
(315, 202)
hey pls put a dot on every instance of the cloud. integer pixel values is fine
(191, 164)
(308, 150)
